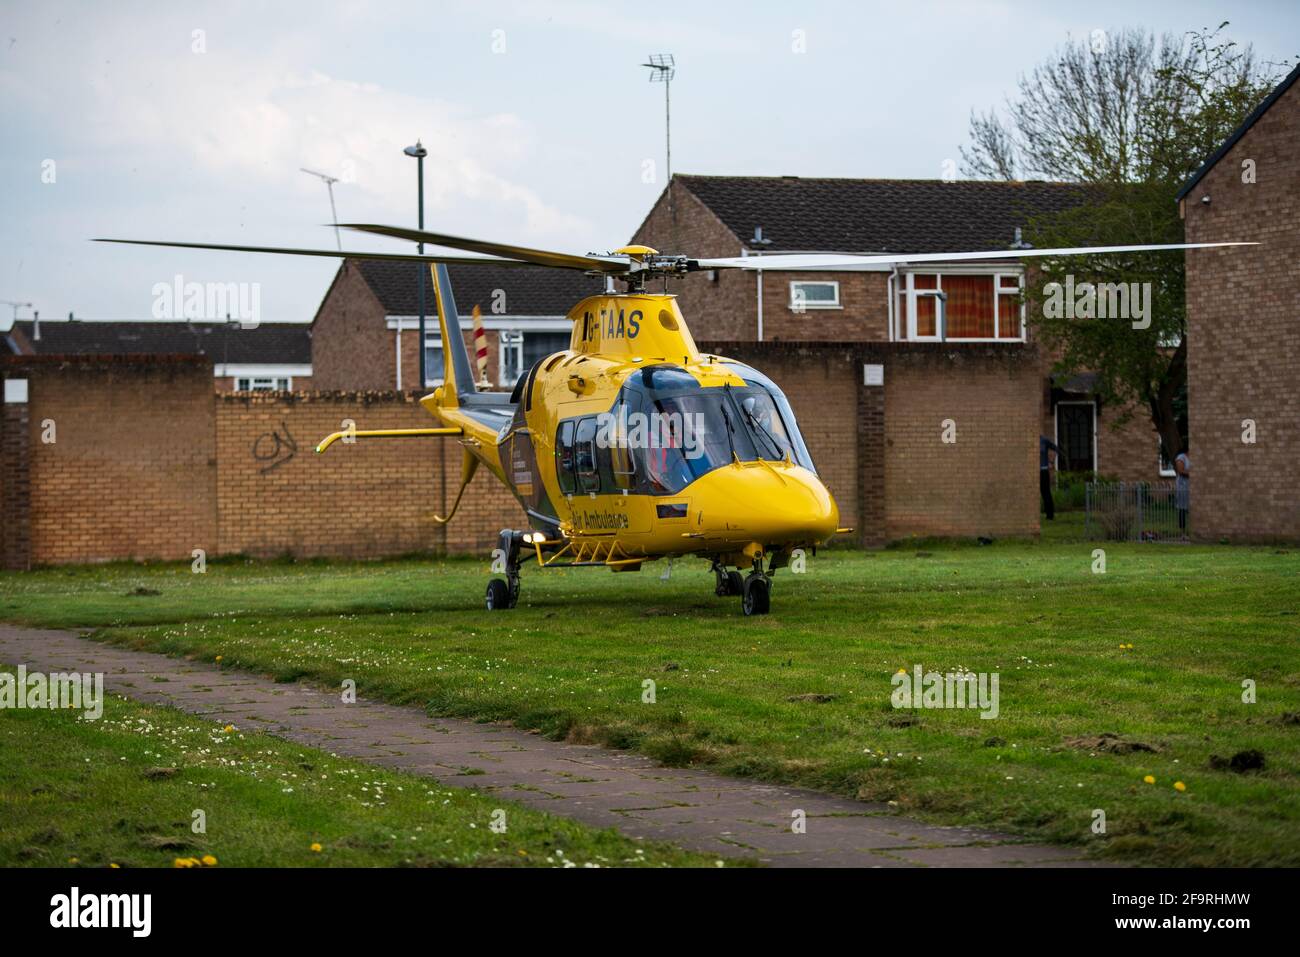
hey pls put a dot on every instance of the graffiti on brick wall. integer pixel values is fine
(271, 449)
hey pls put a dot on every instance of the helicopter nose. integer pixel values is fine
(771, 503)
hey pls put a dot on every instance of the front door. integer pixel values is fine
(1076, 433)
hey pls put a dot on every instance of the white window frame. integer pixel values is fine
(807, 304)
(1000, 289)
(247, 383)
(510, 347)
(433, 341)
(912, 294)
(1056, 430)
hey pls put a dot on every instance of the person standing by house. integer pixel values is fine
(1182, 490)
(1045, 474)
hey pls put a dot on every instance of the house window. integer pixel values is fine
(434, 371)
(520, 350)
(263, 383)
(814, 295)
(960, 306)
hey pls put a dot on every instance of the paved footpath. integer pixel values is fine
(692, 809)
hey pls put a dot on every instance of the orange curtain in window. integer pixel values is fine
(1008, 316)
(970, 306)
(925, 305)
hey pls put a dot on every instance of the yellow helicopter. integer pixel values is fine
(632, 445)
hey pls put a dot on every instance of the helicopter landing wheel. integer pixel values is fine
(756, 597)
(500, 595)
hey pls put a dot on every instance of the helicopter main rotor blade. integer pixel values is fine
(539, 257)
(829, 263)
(330, 253)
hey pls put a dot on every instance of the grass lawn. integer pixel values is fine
(803, 695)
(122, 790)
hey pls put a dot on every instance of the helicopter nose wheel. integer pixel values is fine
(756, 594)
(500, 595)
(504, 593)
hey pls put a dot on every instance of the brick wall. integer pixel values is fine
(718, 305)
(149, 463)
(880, 450)
(863, 314)
(1244, 336)
(370, 498)
(984, 482)
(121, 457)
(348, 347)
(15, 487)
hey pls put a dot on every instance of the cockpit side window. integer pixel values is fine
(767, 391)
(622, 463)
(584, 455)
(564, 457)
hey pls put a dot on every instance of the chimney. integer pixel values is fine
(36, 326)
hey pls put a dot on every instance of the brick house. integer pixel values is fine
(269, 356)
(370, 317)
(749, 215)
(1243, 339)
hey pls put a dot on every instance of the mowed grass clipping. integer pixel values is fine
(122, 790)
(1155, 650)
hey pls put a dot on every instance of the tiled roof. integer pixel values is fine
(277, 343)
(879, 215)
(529, 290)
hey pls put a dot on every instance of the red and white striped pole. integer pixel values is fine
(480, 346)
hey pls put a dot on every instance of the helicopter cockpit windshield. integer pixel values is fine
(665, 431)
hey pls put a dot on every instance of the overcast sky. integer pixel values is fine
(537, 115)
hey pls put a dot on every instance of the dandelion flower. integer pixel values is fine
(1150, 779)
(228, 728)
(209, 860)
(1180, 786)
(316, 848)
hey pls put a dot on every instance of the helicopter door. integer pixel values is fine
(595, 477)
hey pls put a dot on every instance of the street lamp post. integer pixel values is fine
(419, 152)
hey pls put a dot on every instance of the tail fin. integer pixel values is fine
(461, 381)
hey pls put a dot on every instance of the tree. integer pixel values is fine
(1130, 118)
